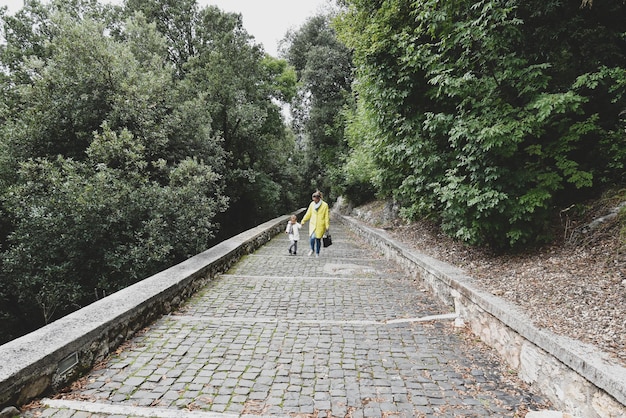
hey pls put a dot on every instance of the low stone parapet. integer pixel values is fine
(576, 377)
(50, 358)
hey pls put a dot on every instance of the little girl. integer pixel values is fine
(293, 230)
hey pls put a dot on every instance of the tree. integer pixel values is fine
(107, 177)
(324, 69)
(93, 227)
(486, 117)
(240, 87)
(176, 20)
(123, 131)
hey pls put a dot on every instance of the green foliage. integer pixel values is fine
(324, 69)
(484, 115)
(282, 78)
(131, 138)
(359, 169)
(176, 20)
(104, 223)
(239, 85)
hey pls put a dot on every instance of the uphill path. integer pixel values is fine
(343, 335)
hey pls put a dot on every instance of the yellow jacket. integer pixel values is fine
(320, 219)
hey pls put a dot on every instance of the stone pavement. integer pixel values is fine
(342, 335)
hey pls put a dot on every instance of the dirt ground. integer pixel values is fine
(574, 287)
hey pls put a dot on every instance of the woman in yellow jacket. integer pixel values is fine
(320, 221)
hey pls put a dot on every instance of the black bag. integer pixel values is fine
(327, 240)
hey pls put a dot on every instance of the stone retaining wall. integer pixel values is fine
(576, 377)
(50, 358)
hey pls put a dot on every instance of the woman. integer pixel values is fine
(320, 221)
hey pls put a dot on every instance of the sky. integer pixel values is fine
(267, 20)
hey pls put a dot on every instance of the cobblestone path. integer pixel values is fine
(342, 335)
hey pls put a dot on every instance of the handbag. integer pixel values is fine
(327, 240)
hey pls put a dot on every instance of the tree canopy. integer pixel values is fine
(325, 73)
(488, 116)
(132, 138)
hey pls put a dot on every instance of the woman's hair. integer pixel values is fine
(317, 192)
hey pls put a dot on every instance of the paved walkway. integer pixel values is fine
(342, 335)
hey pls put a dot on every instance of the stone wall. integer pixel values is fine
(575, 377)
(50, 358)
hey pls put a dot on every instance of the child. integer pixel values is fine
(293, 230)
